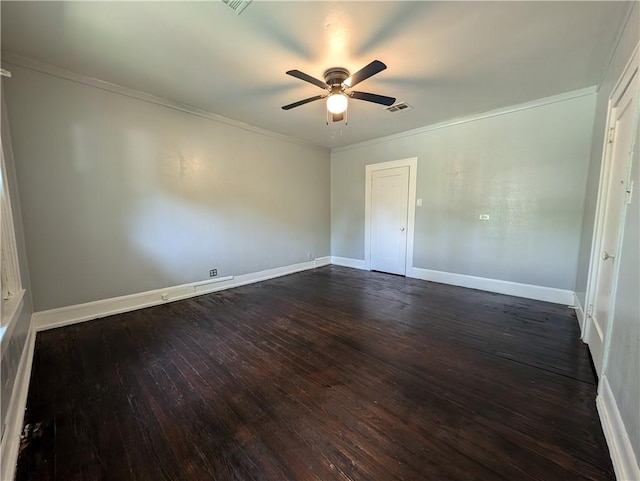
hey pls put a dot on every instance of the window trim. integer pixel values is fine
(9, 263)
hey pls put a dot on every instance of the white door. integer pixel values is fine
(389, 210)
(603, 293)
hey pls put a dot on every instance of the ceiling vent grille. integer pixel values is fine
(399, 107)
(237, 6)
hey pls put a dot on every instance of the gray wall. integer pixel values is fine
(121, 196)
(527, 169)
(622, 356)
(15, 337)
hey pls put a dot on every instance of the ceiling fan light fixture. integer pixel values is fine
(337, 103)
(336, 81)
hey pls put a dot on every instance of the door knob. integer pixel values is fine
(606, 255)
(401, 229)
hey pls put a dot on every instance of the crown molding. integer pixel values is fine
(41, 67)
(616, 43)
(573, 94)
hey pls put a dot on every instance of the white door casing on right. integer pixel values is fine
(614, 191)
(389, 211)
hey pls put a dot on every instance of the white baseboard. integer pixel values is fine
(541, 293)
(579, 314)
(347, 262)
(15, 413)
(93, 310)
(549, 294)
(624, 460)
(322, 261)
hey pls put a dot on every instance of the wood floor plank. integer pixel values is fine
(330, 374)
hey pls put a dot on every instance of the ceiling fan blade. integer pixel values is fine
(302, 102)
(307, 78)
(376, 99)
(364, 73)
(338, 117)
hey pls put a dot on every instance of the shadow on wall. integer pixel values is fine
(152, 212)
(122, 196)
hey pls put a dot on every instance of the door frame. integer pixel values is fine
(630, 70)
(412, 163)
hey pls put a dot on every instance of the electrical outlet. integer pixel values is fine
(483, 217)
(309, 255)
(213, 272)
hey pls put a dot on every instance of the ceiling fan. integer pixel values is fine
(337, 81)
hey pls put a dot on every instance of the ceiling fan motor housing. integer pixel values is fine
(336, 81)
(335, 76)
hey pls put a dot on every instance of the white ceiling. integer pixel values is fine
(446, 59)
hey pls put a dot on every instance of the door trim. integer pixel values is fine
(412, 163)
(630, 70)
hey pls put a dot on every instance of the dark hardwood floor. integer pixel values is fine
(331, 374)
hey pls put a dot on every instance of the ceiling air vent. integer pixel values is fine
(237, 6)
(400, 106)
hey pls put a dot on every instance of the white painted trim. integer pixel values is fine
(35, 65)
(605, 168)
(624, 460)
(412, 163)
(10, 262)
(322, 261)
(529, 291)
(93, 310)
(10, 312)
(579, 314)
(631, 69)
(64, 316)
(628, 72)
(616, 43)
(347, 262)
(15, 413)
(574, 94)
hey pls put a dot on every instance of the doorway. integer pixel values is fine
(389, 216)
(612, 201)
